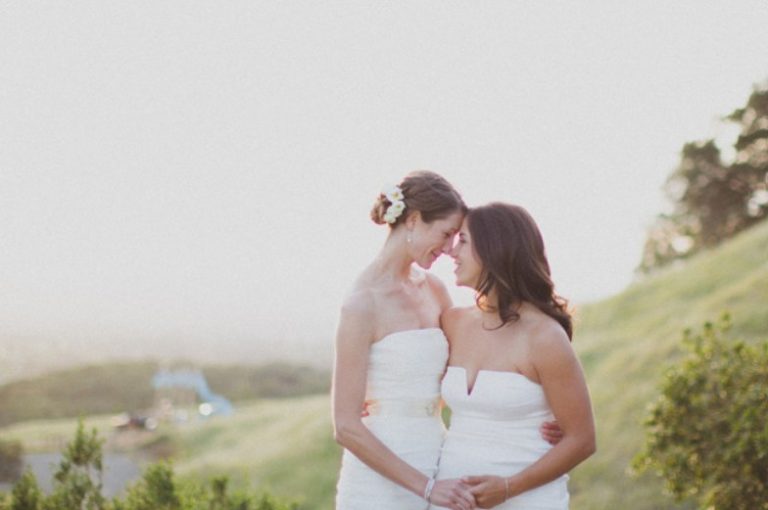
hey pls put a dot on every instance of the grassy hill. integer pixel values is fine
(624, 342)
(285, 446)
(127, 387)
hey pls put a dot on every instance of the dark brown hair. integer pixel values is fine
(423, 191)
(510, 248)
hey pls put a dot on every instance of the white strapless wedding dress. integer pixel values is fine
(495, 431)
(403, 396)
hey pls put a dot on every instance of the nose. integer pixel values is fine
(452, 249)
(447, 247)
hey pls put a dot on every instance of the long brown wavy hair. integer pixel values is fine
(509, 245)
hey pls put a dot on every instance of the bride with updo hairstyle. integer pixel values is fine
(391, 354)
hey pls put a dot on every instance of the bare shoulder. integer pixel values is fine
(451, 318)
(358, 315)
(439, 290)
(549, 345)
(360, 300)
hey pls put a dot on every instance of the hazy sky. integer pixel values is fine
(204, 170)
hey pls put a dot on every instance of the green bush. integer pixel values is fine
(707, 434)
(78, 486)
(26, 494)
(159, 490)
(78, 480)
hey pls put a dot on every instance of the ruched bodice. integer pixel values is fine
(402, 396)
(406, 367)
(495, 431)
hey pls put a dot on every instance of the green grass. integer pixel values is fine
(40, 436)
(284, 446)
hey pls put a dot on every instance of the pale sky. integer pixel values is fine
(202, 172)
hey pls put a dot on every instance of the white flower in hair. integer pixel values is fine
(396, 208)
(394, 194)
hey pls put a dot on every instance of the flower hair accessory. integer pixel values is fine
(397, 205)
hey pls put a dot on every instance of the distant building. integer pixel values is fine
(187, 388)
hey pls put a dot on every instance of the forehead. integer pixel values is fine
(450, 222)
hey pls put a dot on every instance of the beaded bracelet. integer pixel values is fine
(428, 488)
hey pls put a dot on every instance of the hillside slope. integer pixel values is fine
(117, 387)
(625, 343)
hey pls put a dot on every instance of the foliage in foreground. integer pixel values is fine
(78, 486)
(707, 434)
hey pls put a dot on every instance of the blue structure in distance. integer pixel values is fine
(212, 404)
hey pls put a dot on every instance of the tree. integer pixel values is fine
(26, 493)
(713, 200)
(752, 151)
(707, 434)
(78, 480)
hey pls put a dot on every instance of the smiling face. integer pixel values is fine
(430, 240)
(468, 268)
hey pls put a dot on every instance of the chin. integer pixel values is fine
(462, 282)
(425, 265)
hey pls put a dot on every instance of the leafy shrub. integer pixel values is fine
(707, 434)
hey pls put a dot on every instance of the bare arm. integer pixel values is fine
(353, 341)
(565, 387)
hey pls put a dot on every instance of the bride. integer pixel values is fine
(391, 355)
(511, 367)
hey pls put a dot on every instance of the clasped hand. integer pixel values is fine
(488, 491)
(453, 493)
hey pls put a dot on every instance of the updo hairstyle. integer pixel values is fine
(423, 191)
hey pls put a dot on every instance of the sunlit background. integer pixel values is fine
(194, 179)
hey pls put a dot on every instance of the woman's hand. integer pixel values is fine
(453, 493)
(488, 490)
(551, 432)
